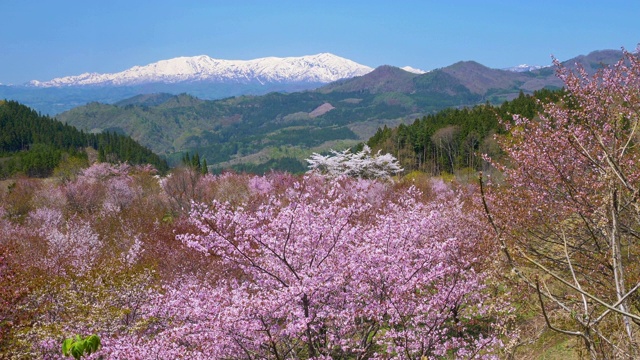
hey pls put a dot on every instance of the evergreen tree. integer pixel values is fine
(205, 169)
(452, 139)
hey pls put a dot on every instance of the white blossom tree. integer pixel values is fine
(359, 165)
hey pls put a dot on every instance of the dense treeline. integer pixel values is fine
(36, 145)
(454, 138)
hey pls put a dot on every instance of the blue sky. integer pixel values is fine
(46, 39)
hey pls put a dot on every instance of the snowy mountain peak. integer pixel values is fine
(320, 68)
(523, 68)
(413, 70)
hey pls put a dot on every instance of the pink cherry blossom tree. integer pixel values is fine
(570, 207)
(71, 265)
(318, 271)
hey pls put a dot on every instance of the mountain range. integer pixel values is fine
(320, 68)
(260, 129)
(201, 76)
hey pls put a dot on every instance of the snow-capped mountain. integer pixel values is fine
(413, 70)
(320, 68)
(523, 68)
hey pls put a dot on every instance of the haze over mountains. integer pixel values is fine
(256, 129)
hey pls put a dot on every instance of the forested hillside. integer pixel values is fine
(448, 141)
(36, 145)
(277, 131)
(454, 139)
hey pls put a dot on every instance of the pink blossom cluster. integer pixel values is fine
(277, 266)
(318, 270)
(562, 161)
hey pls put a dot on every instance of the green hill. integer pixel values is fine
(35, 145)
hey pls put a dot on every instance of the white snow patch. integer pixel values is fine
(413, 70)
(524, 68)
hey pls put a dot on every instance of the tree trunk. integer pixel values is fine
(616, 258)
(310, 348)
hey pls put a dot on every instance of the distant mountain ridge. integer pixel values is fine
(197, 76)
(320, 68)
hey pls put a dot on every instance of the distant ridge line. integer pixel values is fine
(319, 68)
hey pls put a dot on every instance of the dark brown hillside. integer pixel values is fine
(382, 79)
(594, 60)
(479, 78)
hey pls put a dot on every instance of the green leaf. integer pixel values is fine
(77, 347)
(76, 352)
(66, 347)
(92, 344)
